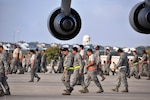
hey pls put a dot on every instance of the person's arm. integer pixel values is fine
(91, 63)
(17, 58)
(134, 59)
(82, 54)
(108, 58)
(81, 65)
(143, 58)
(32, 62)
(6, 65)
(120, 62)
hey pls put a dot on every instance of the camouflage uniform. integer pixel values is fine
(34, 68)
(122, 65)
(78, 70)
(98, 63)
(3, 70)
(15, 60)
(68, 66)
(144, 65)
(92, 74)
(38, 61)
(60, 63)
(43, 62)
(53, 63)
(135, 64)
(108, 61)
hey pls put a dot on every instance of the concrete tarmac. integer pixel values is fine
(50, 87)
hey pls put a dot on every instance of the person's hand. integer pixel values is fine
(65, 71)
(86, 66)
(6, 73)
(80, 73)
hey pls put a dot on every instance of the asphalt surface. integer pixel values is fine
(50, 87)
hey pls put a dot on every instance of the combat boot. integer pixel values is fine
(67, 92)
(103, 78)
(85, 90)
(31, 81)
(2, 93)
(71, 89)
(100, 90)
(38, 79)
(125, 90)
(148, 78)
(115, 89)
(138, 77)
(7, 92)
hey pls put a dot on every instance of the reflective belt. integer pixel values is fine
(109, 61)
(122, 67)
(136, 63)
(76, 67)
(70, 68)
(145, 62)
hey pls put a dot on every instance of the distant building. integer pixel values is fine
(86, 40)
(129, 50)
(23, 45)
(115, 48)
(54, 45)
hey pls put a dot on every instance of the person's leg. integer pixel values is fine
(32, 75)
(124, 80)
(118, 82)
(67, 83)
(96, 81)
(6, 86)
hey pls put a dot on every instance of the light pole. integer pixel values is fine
(18, 35)
(14, 37)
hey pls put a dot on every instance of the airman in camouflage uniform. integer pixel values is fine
(122, 66)
(108, 61)
(3, 72)
(78, 70)
(144, 65)
(98, 62)
(92, 72)
(135, 64)
(68, 70)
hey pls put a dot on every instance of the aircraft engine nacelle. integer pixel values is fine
(140, 17)
(64, 23)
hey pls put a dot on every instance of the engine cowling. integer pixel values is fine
(64, 27)
(140, 18)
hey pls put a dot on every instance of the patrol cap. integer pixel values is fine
(61, 49)
(90, 50)
(133, 51)
(65, 49)
(32, 51)
(96, 46)
(81, 46)
(107, 49)
(120, 50)
(1, 46)
(75, 49)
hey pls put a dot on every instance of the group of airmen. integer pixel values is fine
(76, 63)
(17, 63)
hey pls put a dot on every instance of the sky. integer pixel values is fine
(105, 21)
